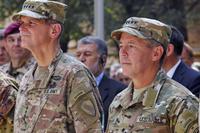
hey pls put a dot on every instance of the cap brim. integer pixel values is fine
(116, 34)
(27, 13)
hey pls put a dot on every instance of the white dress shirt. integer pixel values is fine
(99, 78)
(171, 72)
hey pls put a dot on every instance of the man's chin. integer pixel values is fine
(19, 56)
(2, 63)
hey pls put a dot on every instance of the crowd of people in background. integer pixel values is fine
(152, 87)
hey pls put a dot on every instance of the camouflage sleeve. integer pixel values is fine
(184, 116)
(83, 105)
(8, 92)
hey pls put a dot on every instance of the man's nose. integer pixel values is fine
(22, 27)
(82, 58)
(123, 51)
(17, 42)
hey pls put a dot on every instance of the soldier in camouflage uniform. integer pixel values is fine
(20, 59)
(152, 103)
(59, 94)
(8, 93)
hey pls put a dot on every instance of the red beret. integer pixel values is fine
(11, 29)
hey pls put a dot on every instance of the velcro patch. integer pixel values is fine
(88, 107)
(53, 91)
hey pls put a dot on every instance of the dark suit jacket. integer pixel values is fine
(188, 78)
(108, 89)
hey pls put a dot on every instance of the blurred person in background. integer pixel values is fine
(187, 55)
(4, 57)
(92, 51)
(113, 69)
(196, 66)
(116, 73)
(20, 58)
(176, 68)
(119, 76)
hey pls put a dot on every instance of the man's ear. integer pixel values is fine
(157, 53)
(170, 49)
(104, 58)
(55, 30)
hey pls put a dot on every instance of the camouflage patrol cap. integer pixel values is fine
(146, 29)
(42, 9)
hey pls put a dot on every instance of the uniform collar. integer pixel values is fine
(51, 69)
(57, 58)
(148, 98)
(54, 61)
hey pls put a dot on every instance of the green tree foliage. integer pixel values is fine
(171, 11)
(79, 20)
(8, 7)
(80, 14)
(174, 12)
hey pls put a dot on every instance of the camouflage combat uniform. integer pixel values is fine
(19, 72)
(65, 100)
(8, 93)
(164, 107)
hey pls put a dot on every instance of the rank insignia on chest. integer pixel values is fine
(151, 119)
(53, 91)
